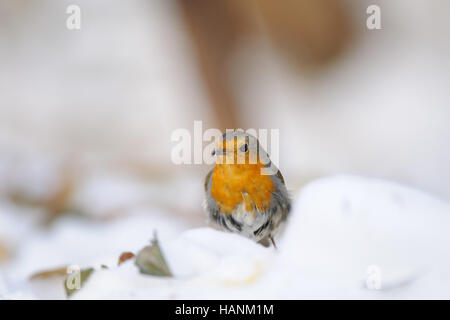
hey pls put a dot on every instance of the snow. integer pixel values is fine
(341, 229)
(343, 225)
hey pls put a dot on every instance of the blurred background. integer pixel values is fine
(86, 115)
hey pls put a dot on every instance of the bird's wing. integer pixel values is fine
(280, 176)
(208, 176)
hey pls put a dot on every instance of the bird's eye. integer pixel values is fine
(213, 153)
(244, 147)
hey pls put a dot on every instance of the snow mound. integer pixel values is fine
(345, 230)
(347, 237)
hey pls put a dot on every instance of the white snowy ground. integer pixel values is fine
(345, 234)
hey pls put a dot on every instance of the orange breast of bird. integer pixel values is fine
(241, 184)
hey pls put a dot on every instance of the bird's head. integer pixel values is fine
(239, 148)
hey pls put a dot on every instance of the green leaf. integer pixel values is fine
(76, 280)
(150, 260)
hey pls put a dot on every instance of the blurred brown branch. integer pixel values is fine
(309, 33)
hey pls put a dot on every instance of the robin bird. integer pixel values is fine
(245, 192)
